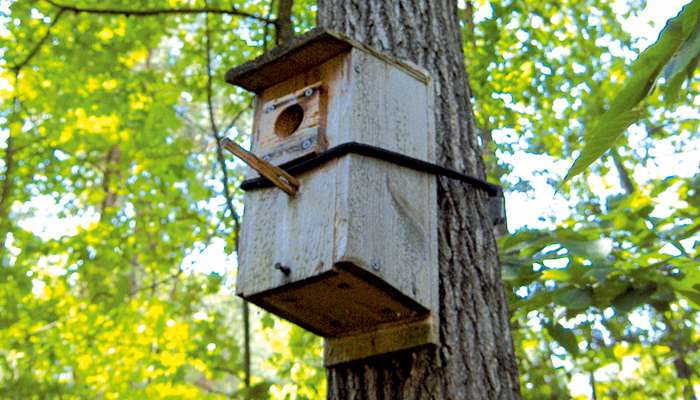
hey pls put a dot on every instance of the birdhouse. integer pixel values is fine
(352, 255)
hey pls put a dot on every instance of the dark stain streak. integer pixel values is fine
(410, 214)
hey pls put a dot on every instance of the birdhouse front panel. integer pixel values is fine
(355, 250)
(289, 127)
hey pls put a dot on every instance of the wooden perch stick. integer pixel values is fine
(276, 175)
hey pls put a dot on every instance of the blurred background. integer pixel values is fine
(119, 212)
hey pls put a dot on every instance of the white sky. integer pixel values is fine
(522, 210)
(525, 210)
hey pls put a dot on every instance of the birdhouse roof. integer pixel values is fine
(302, 53)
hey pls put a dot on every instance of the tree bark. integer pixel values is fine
(285, 29)
(5, 192)
(475, 358)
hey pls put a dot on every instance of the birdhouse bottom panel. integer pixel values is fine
(342, 301)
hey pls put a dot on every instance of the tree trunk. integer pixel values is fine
(285, 29)
(475, 358)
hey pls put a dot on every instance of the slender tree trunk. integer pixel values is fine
(285, 29)
(5, 191)
(7, 178)
(475, 359)
(111, 172)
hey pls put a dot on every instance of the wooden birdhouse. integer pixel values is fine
(352, 256)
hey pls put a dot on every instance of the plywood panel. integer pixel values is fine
(388, 108)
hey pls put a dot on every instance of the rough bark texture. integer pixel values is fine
(285, 30)
(475, 359)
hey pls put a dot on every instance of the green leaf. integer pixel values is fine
(573, 298)
(258, 391)
(599, 272)
(594, 250)
(267, 320)
(682, 65)
(690, 47)
(610, 127)
(623, 110)
(632, 299)
(561, 275)
(565, 337)
(692, 296)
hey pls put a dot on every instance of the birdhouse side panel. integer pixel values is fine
(388, 108)
(386, 223)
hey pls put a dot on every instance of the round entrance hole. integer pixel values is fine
(289, 120)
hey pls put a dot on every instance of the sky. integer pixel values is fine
(542, 203)
(539, 203)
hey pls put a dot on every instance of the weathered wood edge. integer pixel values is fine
(276, 175)
(388, 339)
(310, 49)
(260, 299)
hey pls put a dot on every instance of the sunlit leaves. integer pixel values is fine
(565, 337)
(111, 143)
(112, 137)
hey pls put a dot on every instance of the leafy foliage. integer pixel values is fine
(116, 217)
(675, 53)
(113, 194)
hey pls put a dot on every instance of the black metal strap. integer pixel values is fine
(298, 167)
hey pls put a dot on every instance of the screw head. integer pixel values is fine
(308, 92)
(283, 269)
(375, 266)
(266, 157)
(306, 144)
(270, 108)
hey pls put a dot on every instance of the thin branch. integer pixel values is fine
(9, 163)
(469, 18)
(157, 11)
(215, 130)
(235, 118)
(224, 369)
(227, 193)
(207, 386)
(266, 27)
(38, 44)
(110, 171)
(153, 286)
(629, 187)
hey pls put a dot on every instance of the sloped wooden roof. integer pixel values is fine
(300, 54)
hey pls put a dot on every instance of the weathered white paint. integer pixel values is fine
(360, 237)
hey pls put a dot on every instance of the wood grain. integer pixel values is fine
(276, 175)
(309, 50)
(359, 243)
(383, 340)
